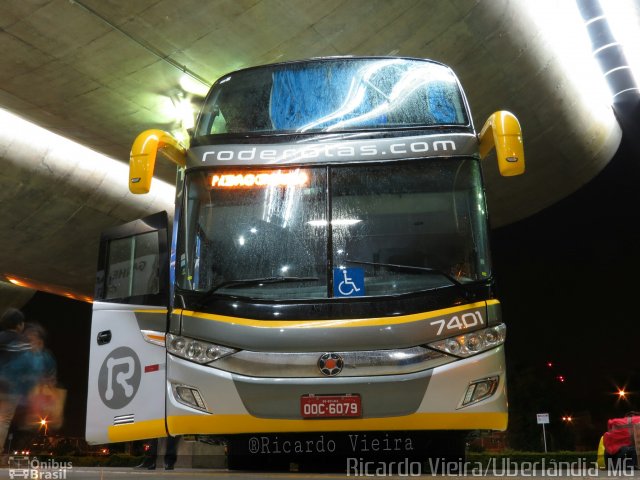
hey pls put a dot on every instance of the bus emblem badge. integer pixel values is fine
(330, 364)
(119, 378)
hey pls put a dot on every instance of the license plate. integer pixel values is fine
(330, 406)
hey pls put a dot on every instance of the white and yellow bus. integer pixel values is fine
(326, 280)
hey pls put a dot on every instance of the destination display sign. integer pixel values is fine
(277, 178)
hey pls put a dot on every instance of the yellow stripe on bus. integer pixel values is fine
(137, 431)
(236, 424)
(334, 323)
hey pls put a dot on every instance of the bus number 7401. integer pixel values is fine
(466, 320)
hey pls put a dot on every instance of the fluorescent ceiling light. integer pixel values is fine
(72, 161)
(622, 16)
(193, 86)
(561, 25)
(185, 113)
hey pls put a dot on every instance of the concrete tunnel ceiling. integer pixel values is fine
(100, 72)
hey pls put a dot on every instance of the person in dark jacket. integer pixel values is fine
(15, 357)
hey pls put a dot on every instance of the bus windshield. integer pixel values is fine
(334, 95)
(286, 233)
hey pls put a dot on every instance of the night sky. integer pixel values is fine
(568, 280)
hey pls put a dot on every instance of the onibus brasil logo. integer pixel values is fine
(33, 468)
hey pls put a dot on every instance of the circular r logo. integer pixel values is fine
(119, 378)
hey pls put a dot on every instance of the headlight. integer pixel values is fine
(196, 350)
(472, 343)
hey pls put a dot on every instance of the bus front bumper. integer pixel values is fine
(427, 400)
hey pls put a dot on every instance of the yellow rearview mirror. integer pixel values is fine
(502, 131)
(142, 159)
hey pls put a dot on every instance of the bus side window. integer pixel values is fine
(132, 266)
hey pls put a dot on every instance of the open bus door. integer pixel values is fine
(127, 365)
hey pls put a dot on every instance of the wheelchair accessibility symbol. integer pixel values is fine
(348, 282)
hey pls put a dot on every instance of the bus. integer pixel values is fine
(324, 284)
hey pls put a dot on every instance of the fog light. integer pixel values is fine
(189, 396)
(480, 390)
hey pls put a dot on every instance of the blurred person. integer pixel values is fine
(15, 362)
(44, 364)
(44, 401)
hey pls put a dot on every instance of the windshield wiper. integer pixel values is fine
(251, 281)
(430, 270)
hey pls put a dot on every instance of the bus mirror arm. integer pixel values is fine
(502, 131)
(142, 159)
